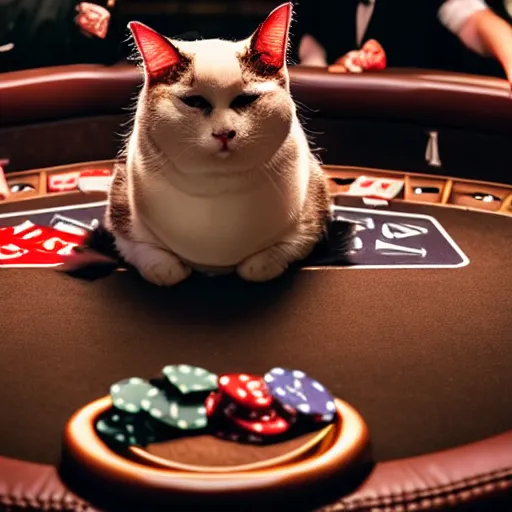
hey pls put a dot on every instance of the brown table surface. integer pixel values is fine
(424, 355)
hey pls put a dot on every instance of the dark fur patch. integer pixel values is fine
(97, 257)
(119, 213)
(332, 249)
(102, 241)
(255, 70)
(252, 60)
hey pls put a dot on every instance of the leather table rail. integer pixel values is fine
(419, 96)
(61, 92)
(440, 481)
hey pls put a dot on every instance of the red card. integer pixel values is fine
(63, 182)
(28, 245)
(381, 188)
(95, 173)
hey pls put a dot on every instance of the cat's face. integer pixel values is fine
(213, 105)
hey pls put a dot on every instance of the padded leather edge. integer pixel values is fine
(411, 95)
(62, 92)
(26, 486)
(429, 97)
(437, 481)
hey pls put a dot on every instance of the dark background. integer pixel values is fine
(45, 34)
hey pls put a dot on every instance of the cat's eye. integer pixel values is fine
(197, 102)
(244, 100)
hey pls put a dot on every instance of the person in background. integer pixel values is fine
(41, 33)
(455, 35)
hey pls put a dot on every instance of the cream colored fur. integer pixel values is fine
(192, 205)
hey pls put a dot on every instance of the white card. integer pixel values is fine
(381, 188)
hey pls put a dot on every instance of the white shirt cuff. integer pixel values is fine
(453, 14)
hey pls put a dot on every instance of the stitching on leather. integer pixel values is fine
(23, 504)
(444, 494)
(448, 494)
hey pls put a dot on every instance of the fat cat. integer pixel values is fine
(218, 175)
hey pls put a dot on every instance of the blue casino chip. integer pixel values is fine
(298, 392)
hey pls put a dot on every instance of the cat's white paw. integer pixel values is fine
(163, 269)
(155, 265)
(261, 267)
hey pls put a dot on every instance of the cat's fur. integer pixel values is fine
(180, 201)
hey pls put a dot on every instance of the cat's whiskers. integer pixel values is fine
(273, 183)
(185, 149)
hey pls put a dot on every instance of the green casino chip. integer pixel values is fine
(173, 413)
(125, 429)
(190, 379)
(127, 394)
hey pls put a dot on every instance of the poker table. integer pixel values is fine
(416, 338)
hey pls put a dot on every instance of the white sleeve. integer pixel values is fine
(453, 14)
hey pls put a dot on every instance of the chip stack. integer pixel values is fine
(145, 411)
(126, 423)
(180, 404)
(238, 406)
(244, 410)
(301, 395)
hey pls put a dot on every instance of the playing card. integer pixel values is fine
(387, 239)
(29, 245)
(380, 188)
(95, 180)
(371, 201)
(63, 182)
(363, 186)
(387, 188)
(84, 215)
(28, 239)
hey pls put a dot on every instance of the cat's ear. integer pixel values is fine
(269, 43)
(159, 55)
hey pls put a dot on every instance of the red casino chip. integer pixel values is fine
(213, 403)
(267, 425)
(249, 391)
(239, 437)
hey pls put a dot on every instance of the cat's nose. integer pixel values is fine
(224, 136)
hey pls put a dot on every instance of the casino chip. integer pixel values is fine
(125, 429)
(268, 425)
(213, 403)
(296, 391)
(173, 413)
(190, 379)
(239, 437)
(127, 394)
(246, 390)
(241, 423)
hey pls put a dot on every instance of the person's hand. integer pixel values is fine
(370, 57)
(349, 63)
